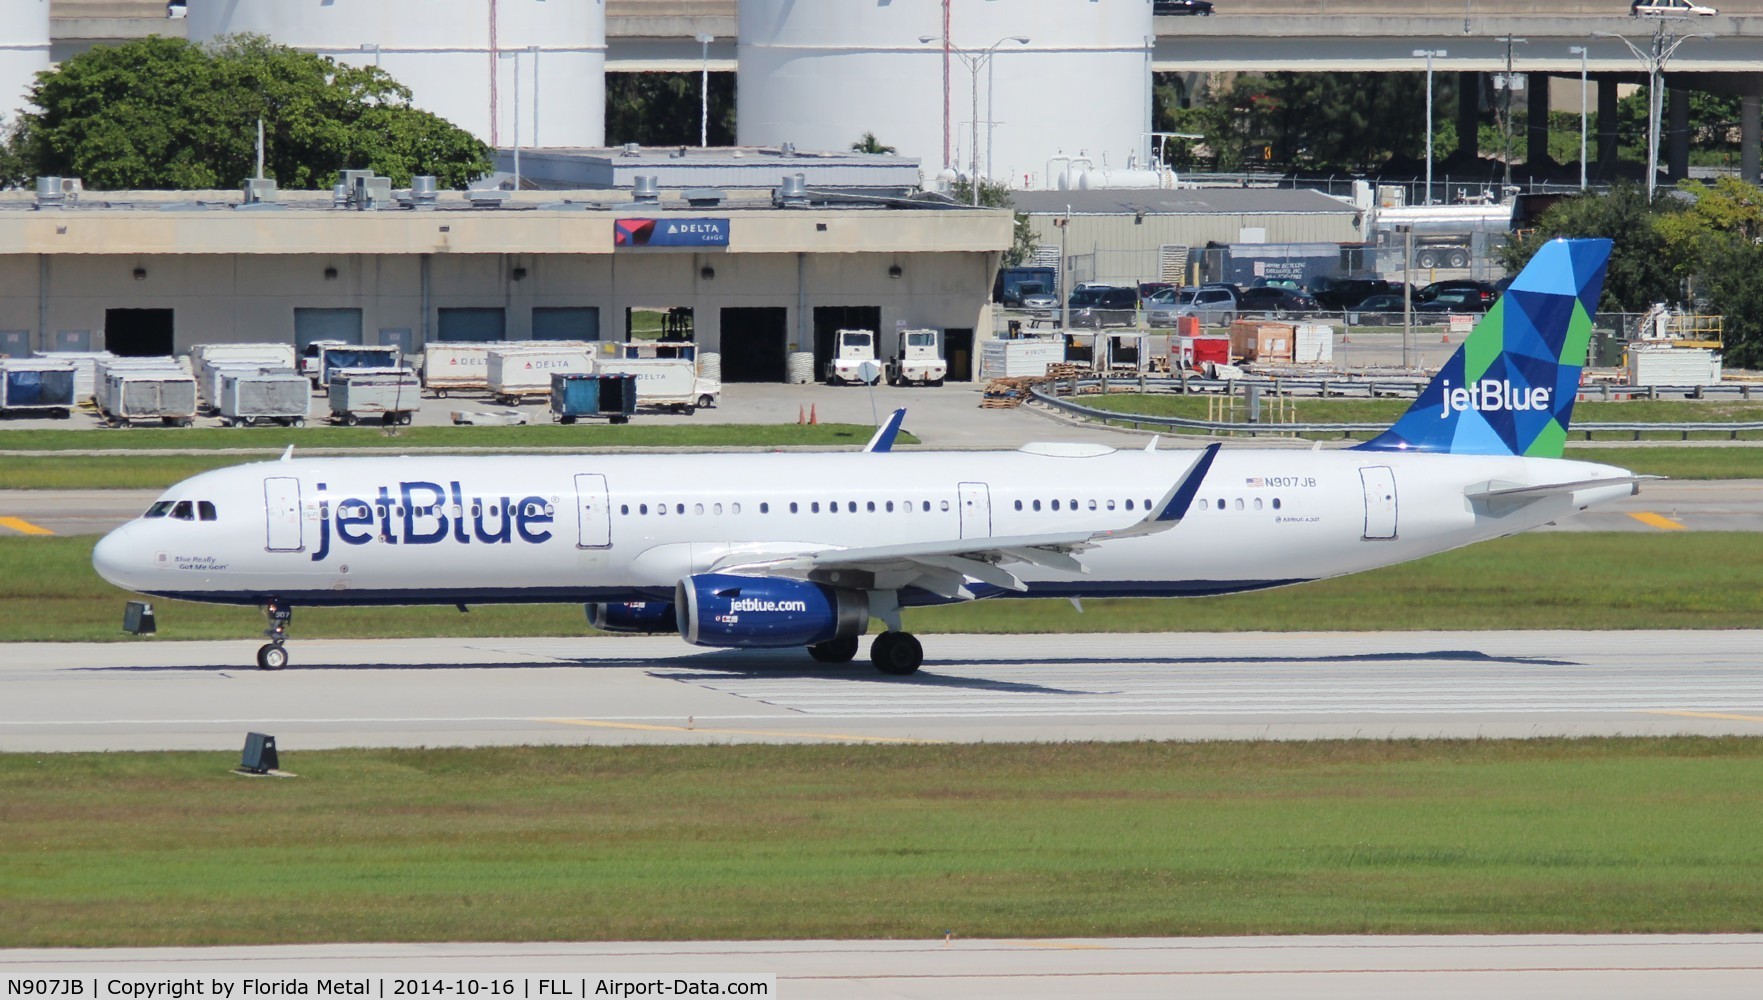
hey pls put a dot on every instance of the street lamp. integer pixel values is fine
(515, 55)
(1664, 44)
(1506, 118)
(975, 60)
(704, 92)
(1429, 54)
(1580, 51)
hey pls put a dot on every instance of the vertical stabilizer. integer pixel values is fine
(1509, 390)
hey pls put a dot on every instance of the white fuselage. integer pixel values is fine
(590, 528)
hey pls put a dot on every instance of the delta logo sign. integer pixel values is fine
(670, 233)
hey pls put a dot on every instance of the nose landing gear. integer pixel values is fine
(272, 655)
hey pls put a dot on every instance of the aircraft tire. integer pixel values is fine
(272, 656)
(834, 650)
(896, 653)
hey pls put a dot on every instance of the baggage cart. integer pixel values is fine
(612, 395)
(390, 395)
(206, 358)
(34, 386)
(127, 395)
(266, 396)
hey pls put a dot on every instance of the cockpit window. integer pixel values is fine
(159, 509)
(184, 511)
(205, 510)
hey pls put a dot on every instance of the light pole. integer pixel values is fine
(1506, 117)
(1580, 51)
(515, 55)
(1664, 44)
(1429, 54)
(704, 91)
(975, 60)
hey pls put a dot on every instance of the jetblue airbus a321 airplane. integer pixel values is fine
(781, 550)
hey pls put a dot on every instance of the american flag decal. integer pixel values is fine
(1256, 481)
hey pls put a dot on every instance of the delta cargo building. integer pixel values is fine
(754, 275)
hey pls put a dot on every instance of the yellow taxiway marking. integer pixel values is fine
(1706, 715)
(1656, 520)
(23, 526)
(733, 732)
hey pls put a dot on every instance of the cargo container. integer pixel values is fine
(127, 394)
(1253, 340)
(522, 371)
(457, 366)
(85, 378)
(204, 358)
(266, 396)
(603, 394)
(1020, 358)
(37, 386)
(1313, 343)
(673, 383)
(391, 395)
(1649, 365)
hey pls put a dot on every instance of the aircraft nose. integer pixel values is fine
(115, 559)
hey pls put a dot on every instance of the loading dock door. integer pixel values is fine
(976, 511)
(1380, 501)
(754, 344)
(138, 333)
(593, 512)
(281, 505)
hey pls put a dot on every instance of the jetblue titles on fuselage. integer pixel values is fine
(424, 513)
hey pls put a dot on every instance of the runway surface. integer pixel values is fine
(150, 695)
(1609, 967)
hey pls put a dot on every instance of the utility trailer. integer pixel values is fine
(457, 366)
(248, 398)
(325, 358)
(918, 359)
(37, 386)
(206, 360)
(612, 395)
(130, 394)
(392, 395)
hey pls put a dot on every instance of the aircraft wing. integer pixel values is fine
(943, 567)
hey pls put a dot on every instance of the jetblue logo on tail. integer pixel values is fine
(1509, 390)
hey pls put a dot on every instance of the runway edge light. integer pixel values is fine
(259, 756)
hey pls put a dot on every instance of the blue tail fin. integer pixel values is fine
(1509, 389)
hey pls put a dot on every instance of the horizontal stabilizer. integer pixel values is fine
(1504, 499)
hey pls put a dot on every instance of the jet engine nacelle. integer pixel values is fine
(718, 609)
(636, 616)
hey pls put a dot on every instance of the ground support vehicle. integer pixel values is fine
(671, 383)
(391, 395)
(918, 359)
(855, 348)
(207, 359)
(612, 395)
(263, 396)
(165, 394)
(36, 386)
(457, 366)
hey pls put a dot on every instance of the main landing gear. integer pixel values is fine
(273, 655)
(896, 652)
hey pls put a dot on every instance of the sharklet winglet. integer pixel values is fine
(883, 440)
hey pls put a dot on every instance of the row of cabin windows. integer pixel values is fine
(1075, 505)
(183, 510)
(1237, 504)
(832, 506)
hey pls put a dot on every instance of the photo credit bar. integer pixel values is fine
(388, 986)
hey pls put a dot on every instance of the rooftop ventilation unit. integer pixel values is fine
(646, 187)
(787, 149)
(793, 192)
(423, 192)
(373, 193)
(49, 193)
(631, 149)
(704, 197)
(486, 197)
(259, 190)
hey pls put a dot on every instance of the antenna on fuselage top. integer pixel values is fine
(288, 456)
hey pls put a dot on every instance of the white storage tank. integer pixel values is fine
(458, 57)
(819, 75)
(24, 52)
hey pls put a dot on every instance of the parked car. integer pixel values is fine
(1276, 300)
(1455, 300)
(1215, 305)
(1484, 293)
(1346, 293)
(1200, 8)
(1103, 305)
(1150, 288)
(1377, 310)
(1664, 8)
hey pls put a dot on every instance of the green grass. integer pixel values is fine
(1385, 411)
(1536, 581)
(781, 842)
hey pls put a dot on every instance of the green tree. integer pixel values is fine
(663, 109)
(163, 113)
(995, 195)
(870, 144)
(1643, 268)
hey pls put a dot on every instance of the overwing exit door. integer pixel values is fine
(976, 510)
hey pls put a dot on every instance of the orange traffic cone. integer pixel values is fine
(801, 415)
(813, 418)
(1446, 339)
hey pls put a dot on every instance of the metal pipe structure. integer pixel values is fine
(704, 92)
(1429, 54)
(1580, 50)
(1663, 45)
